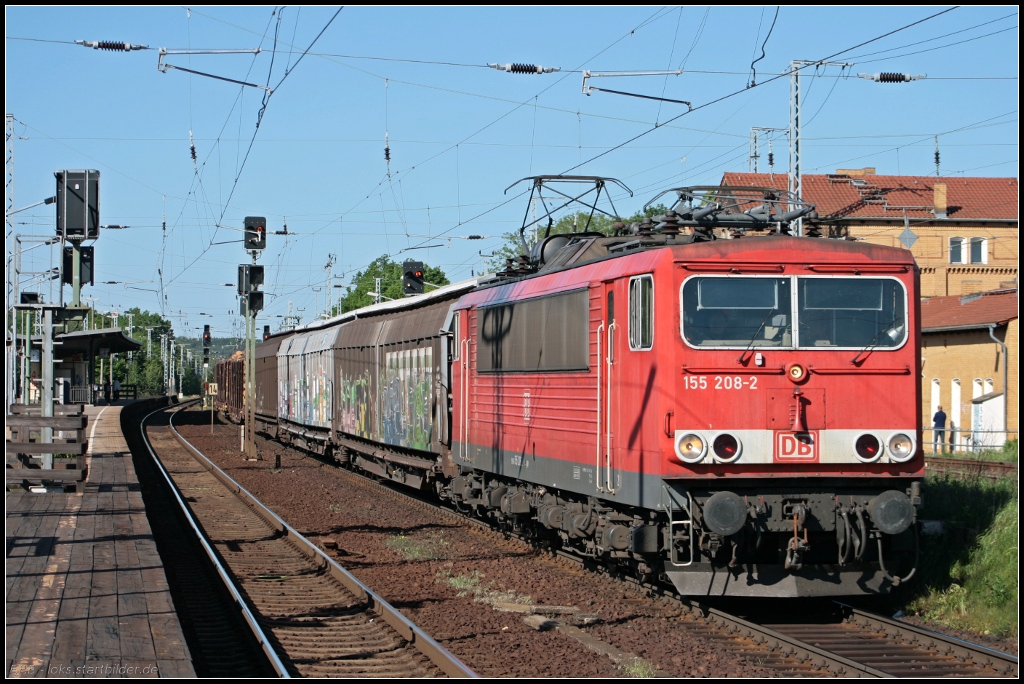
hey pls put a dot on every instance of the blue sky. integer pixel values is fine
(459, 133)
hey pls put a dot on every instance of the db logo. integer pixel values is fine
(796, 446)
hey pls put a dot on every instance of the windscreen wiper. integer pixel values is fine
(887, 330)
(751, 343)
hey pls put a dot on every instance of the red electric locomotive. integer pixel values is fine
(704, 399)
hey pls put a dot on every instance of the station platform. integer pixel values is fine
(87, 595)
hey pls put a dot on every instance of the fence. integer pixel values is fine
(86, 394)
(968, 441)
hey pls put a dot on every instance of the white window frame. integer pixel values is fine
(984, 250)
(636, 313)
(964, 247)
(936, 395)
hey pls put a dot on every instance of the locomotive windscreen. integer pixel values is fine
(837, 312)
(543, 334)
(734, 312)
(851, 312)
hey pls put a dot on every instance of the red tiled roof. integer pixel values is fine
(888, 196)
(982, 309)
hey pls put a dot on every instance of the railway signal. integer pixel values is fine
(255, 303)
(78, 204)
(250, 277)
(255, 233)
(206, 346)
(266, 333)
(412, 279)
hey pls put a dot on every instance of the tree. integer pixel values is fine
(364, 283)
(570, 223)
(144, 369)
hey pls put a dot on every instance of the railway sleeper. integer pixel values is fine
(653, 546)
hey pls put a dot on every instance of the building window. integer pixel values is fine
(936, 390)
(989, 386)
(956, 250)
(979, 388)
(641, 313)
(979, 250)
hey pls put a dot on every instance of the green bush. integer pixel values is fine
(969, 575)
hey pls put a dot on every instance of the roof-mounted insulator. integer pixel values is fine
(892, 77)
(111, 45)
(517, 68)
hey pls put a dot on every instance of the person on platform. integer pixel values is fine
(117, 389)
(939, 431)
(106, 390)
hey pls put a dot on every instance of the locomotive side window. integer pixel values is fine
(641, 313)
(851, 312)
(543, 334)
(729, 312)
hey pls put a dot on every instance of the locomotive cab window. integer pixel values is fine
(641, 313)
(736, 312)
(851, 312)
(536, 335)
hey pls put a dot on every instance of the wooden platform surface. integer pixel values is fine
(86, 591)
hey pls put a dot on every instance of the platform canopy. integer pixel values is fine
(91, 341)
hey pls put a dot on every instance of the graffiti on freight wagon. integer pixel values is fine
(355, 411)
(407, 385)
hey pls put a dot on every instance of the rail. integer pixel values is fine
(222, 572)
(415, 636)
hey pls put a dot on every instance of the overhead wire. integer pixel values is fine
(517, 106)
(940, 47)
(234, 186)
(753, 71)
(737, 92)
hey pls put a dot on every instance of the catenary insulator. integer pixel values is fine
(517, 68)
(892, 77)
(387, 154)
(111, 45)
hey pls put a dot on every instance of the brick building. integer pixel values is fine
(962, 231)
(971, 375)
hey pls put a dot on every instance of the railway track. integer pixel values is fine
(310, 616)
(966, 467)
(847, 642)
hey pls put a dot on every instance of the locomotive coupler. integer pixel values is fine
(797, 547)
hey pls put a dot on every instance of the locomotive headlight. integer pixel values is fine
(901, 447)
(868, 448)
(690, 447)
(796, 373)
(726, 448)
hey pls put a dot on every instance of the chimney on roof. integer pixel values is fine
(866, 171)
(939, 193)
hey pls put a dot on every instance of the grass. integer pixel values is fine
(638, 668)
(1007, 454)
(968, 577)
(431, 547)
(472, 584)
